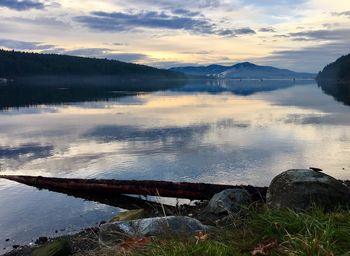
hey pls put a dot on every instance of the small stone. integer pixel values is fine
(15, 246)
(41, 240)
(103, 222)
(229, 200)
(7, 239)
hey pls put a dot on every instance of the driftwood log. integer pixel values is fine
(187, 190)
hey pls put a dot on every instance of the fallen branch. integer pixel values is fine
(193, 191)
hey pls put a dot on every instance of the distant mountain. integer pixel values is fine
(244, 70)
(338, 70)
(15, 64)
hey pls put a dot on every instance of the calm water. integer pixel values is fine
(220, 132)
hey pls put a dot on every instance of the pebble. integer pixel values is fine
(8, 239)
(15, 246)
(41, 240)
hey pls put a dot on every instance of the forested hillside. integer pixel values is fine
(338, 70)
(23, 64)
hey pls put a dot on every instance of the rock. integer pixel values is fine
(55, 248)
(302, 188)
(21, 251)
(7, 239)
(129, 215)
(111, 233)
(41, 240)
(15, 246)
(229, 200)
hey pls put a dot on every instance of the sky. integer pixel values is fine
(302, 35)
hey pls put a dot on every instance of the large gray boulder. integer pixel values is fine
(228, 200)
(303, 188)
(111, 233)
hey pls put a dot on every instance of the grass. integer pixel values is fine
(298, 233)
(313, 233)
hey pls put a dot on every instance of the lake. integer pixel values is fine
(229, 132)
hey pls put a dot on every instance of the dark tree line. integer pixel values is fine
(338, 70)
(334, 79)
(21, 64)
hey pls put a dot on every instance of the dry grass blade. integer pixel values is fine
(264, 247)
(201, 236)
(135, 243)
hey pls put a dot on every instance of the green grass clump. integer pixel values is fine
(177, 247)
(55, 248)
(298, 233)
(305, 233)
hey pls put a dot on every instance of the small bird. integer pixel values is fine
(316, 169)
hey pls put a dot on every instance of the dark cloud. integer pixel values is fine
(21, 5)
(103, 53)
(346, 13)
(302, 39)
(244, 31)
(308, 59)
(185, 12)
(235, 32)
(318, 35)
(127, 57)
(39, 21)
(119, 21)
(226, 32)
(323, 34)
(267, 30)
(22, 45)
(91, 52)
(170, 64)
(179, 19)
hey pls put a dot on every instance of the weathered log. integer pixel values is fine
(193, 191)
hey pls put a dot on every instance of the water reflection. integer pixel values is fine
(340, 91)
(212, 132)
(38, 92)
(240, 87)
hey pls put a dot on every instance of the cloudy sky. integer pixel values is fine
(302, 35)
